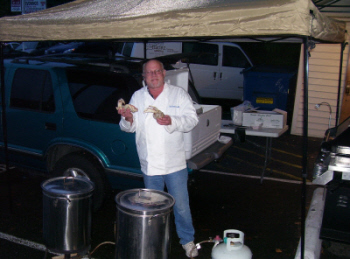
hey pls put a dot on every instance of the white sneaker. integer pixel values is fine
(191, 249)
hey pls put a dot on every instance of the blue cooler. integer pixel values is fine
(269, 87)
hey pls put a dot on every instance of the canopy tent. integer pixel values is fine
(179, 19)
(140, 19)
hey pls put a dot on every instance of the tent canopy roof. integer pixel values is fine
(154, 19)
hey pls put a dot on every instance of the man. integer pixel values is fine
(160, 142)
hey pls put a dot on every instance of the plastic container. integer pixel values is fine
(269, 88)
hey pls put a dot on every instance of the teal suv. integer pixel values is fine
(61, 119)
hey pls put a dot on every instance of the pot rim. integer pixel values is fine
(146, 211)
(73, 187)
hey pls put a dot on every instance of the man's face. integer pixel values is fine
(154, 74)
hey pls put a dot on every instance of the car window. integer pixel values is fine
(233, 57)
(128, 49)
(207, 54)
(27, 45)
(119, 47)
(32, 89)
(95, 94)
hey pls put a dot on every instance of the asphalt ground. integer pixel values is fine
(226, 194)
(246, 157)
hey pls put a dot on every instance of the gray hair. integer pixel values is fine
(144, 64)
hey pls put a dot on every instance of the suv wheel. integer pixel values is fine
(77, 165)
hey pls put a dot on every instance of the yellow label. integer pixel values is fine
(266, 100)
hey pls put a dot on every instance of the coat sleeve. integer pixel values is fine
(187, 119)
(125, 125)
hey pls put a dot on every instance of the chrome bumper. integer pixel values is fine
(214, 152)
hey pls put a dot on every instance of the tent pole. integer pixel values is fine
(145, 49)
(343, 45)
(4, 125)
(305, 145)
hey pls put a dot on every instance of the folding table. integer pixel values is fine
(269, 133)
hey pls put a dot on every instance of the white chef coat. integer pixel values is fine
(161, 148)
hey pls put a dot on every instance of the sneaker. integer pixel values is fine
(191, 249)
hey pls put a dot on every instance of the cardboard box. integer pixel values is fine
(265, 119)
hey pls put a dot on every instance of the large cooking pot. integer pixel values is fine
(67, 207)
(143, 224)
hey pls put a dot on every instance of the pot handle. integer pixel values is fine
(151, 218)
(55, 202)
(143, 197)
(68, 177)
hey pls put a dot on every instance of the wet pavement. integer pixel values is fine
(224, 195)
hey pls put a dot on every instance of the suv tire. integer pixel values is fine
(77, 165)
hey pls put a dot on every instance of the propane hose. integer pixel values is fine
(103, 243)
(198, 245)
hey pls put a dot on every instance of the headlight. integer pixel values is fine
(69, 50)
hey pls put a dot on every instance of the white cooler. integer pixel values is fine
(205, 133)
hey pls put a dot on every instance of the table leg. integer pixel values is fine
(268, 147)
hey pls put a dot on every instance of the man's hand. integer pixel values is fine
(165, 120)
(127, 114)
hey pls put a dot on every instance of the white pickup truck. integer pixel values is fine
(215, 67)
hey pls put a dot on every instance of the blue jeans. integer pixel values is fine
(176, 184)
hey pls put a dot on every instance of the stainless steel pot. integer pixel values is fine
(143, 224)
(67, 207)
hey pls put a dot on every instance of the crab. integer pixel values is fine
(156, 112)
(121, 105)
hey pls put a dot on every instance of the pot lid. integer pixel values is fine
(63, 186)
(145, 200)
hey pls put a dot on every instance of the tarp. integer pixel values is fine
(164, 19)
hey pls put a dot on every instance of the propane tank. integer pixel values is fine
(233, 246)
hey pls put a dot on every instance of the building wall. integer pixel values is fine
(324, 64)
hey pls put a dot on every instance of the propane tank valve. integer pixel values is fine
(217, 240)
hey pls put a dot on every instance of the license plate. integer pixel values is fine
(265, 100)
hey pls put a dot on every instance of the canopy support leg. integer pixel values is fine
(4, 126)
